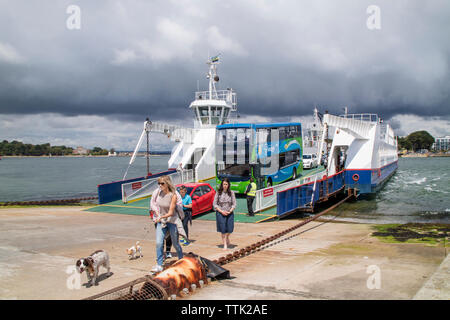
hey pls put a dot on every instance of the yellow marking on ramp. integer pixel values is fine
(271, 217)
(138, 199)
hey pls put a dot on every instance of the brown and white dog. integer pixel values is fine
(92, 265)
(133, 250)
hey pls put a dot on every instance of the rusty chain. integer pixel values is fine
(257, 245)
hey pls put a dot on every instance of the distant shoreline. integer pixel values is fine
(425, 155)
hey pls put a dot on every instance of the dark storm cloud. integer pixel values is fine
(139, 58)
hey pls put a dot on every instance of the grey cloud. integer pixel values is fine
(136, 58)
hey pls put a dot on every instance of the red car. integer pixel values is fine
(202, 195)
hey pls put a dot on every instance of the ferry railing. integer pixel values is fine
(226, 95)
(174, 132)
(267, 197)
(305, 197)
(369, 117)
(145, 188)
(359, 129)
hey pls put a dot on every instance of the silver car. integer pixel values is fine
(310, 161)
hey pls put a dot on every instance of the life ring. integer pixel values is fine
(355, 177)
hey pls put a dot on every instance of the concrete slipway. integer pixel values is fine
(38, 246)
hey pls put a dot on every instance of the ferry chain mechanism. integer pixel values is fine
(257, 245)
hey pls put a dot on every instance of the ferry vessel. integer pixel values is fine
(356, 151)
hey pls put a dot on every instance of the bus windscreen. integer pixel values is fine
(235, 172)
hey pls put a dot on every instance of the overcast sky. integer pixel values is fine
(94, 86)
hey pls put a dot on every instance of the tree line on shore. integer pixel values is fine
(416, 141)
(17, 148)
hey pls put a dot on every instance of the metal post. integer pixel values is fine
(147, 130)
(148, 160)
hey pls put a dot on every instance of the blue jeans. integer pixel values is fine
(160, 234)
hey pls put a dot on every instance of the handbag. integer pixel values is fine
(177, 219)
(180, 212)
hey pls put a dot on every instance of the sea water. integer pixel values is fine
(418, 192)
(40, 178)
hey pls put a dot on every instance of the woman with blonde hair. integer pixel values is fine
(164, 206)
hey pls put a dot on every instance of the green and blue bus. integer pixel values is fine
(271, 153)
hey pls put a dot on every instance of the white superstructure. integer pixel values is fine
(363, 145)
(196, 146)
(311, 134)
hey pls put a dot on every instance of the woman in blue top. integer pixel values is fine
(187, 208)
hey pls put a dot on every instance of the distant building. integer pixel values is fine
(80, 151)
(442, 143)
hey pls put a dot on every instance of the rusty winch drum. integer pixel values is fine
(184, 276)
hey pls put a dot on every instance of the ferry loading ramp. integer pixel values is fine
(141, 207)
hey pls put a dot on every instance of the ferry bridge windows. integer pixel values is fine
(216, 113)
(203, 114)
(226, 113)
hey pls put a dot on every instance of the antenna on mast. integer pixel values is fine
(212, 76)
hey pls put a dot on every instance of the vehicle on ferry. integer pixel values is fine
(310, 161)
(271, 153)
(202, 195)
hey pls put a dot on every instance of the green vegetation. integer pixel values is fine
(416, 141)
(17, 148)
(426, 233)
(97, 151)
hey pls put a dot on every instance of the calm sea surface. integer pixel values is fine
(418, 192)
(41, 178)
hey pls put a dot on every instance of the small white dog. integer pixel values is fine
(134, 250)
(92, 265)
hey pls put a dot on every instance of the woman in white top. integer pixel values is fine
(163, 204)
